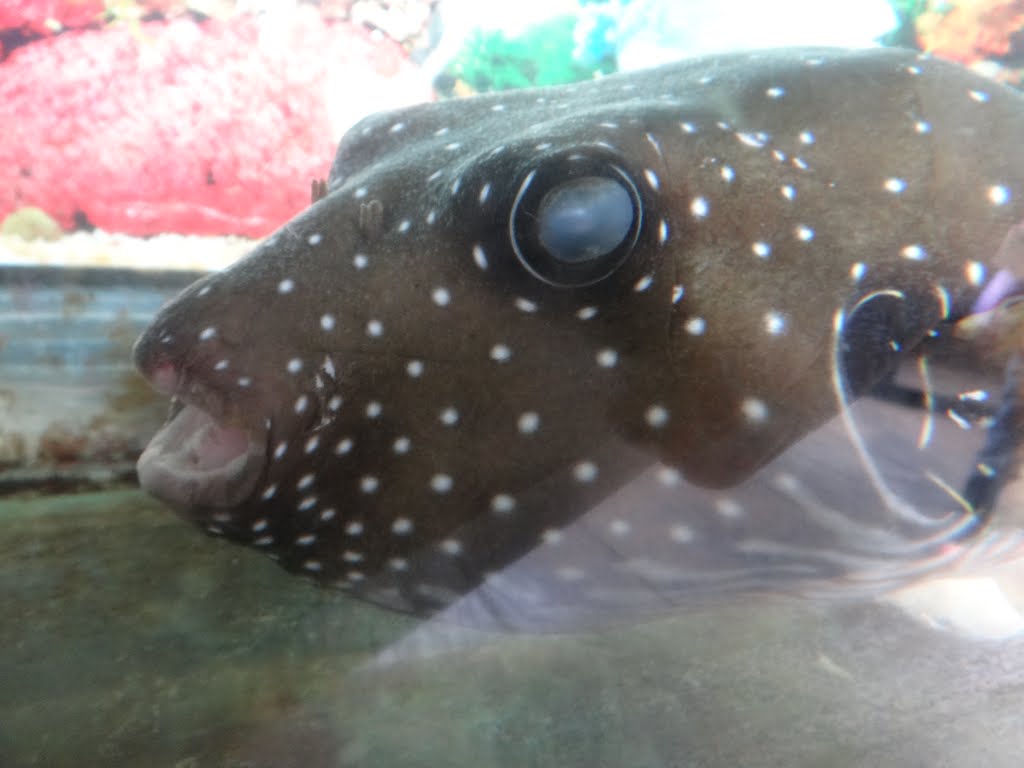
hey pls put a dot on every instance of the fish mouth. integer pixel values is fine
(199, 459)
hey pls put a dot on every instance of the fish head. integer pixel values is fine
(497, 314)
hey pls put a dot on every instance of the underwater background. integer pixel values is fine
(144, 144)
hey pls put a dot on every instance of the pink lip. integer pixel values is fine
(196, 461)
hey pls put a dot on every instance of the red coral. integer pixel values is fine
(176, 126)
(45, 16)
(971, 30)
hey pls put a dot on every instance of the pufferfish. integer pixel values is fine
(661, 336)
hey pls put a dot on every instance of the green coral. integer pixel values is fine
(542, 55)
(907, 12)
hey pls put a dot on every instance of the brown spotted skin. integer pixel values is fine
(425, 410)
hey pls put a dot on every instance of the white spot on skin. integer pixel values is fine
(286, 286)
(305, 539)
(681, 534)
(451, 547)
(528, 423)
(375, 329)
(315, 239)
(501, 353)
(754, 410)
(398, 564)
(327, 514)
(619, 528)
(656, 416)
(502, 504)
(328, 367)
(449, 417)
(998, 195)
(431, 217)
(305, 481)
(404, 226)
(669, 476)
(551, 536)
(360, 193)
(221, 365)
(652, 179)
(401, 445)
(270, 490)
(259, 525)
(894, 185)
(607, 358)
(751, 140)
(369, 484)
(355, 528)
(312, 565)
(643, 283)
(402, 526)
(485, 192)
(761, 249)
(480, 256)
(307, 503)
(351, 556)
(585, 472)
(569, 573)
(975, 273)
(441, 297)
(414, 368)
(334, 403)
(301, 404)
(804, 233)
(343, 446)
(207, 333)
(441, 483)
(699, 208)
(586, 313)
(695, 326)
(775, 323)
(360, 261)
(294, 365)
(244, 381)
(525, 305)
(729, 508)
(327, 322)
(914, 252)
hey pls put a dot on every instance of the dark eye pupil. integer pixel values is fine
(585, 219)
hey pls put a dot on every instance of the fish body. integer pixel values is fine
(627, 330)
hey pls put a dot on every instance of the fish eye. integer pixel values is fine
(575, 221)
